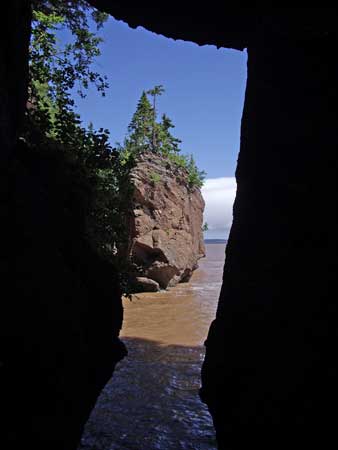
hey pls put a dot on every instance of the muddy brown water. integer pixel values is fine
(152, 400)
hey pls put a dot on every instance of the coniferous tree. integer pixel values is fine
(157, 90)
(140, 128)
(166, 141)
(145, 134)
(195, 176)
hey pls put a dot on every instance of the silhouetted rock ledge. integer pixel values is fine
(144, 284)
(166, 225)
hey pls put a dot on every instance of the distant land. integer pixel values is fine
(215, 241)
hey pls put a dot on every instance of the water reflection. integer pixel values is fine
(152, 400)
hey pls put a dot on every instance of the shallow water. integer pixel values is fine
(152, 400)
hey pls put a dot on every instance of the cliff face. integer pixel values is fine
(166, 226)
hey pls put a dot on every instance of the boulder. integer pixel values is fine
(145, 284)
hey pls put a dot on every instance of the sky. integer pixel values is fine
(204, 95)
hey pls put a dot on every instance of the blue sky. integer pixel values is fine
(204, 97)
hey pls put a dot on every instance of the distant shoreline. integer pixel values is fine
(215, 241)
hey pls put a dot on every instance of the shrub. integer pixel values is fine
(154, 177)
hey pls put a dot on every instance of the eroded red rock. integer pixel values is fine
(166, 227)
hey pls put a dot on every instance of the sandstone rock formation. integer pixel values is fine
(166, 238)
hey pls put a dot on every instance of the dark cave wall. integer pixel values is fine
(14, 38)
(270, 364)
(222, 25)
(60, 308)
(60, 313)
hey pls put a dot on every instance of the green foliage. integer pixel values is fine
(140, 128)
(205, 227)
(98, 172)
(180, 161)
(147, 135)
(143, 129)
(154, 177)
(156, 90)
(57, 69)
(195, 176)
(167, 143)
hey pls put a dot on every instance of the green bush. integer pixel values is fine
(154, 177)
(89, 174)
(145, 134)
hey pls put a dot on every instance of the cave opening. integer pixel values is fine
(275, 329)
(152, 400)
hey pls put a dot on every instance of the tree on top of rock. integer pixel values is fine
(168, 143)
(139, 137)
(157, 90)
(145, 134)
